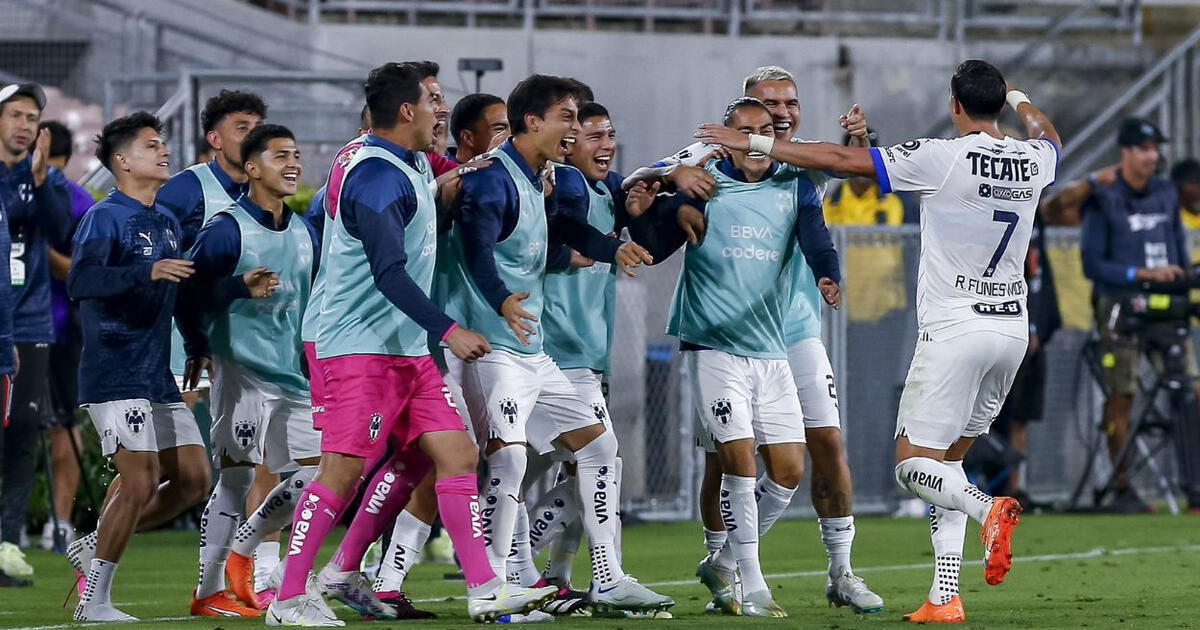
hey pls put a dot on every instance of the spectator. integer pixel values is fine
(1186, 176)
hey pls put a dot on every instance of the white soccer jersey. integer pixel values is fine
(979, 195)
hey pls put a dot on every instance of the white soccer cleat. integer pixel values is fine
(761, 604)
(12, 561)
(307, 609)
(722, 583)
(508, 599)
(628, 594)
(101, 612)
(533, 616)
(850, 590)
(352, 589)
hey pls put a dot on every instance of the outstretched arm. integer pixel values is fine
(821, 156)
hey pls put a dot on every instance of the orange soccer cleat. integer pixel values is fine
(239, 573)
(997, 538)
(929, 612)
(220, 604)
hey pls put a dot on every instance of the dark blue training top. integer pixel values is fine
(378, 202)
(125, 316)
(315, 214)
(183, 197)
(490, 209)
(38, 218)
(7, 364)
(1124, 229)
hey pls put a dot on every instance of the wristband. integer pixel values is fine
(762, 144)
(453, 327)
(1015, 98)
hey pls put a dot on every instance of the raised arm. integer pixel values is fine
(821, 156)
(1037, 125)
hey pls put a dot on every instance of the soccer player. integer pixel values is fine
(125, 265)
(504, 232)
(198, 192)
(382, 387)
(251, 335)
(979, 193)
(476, 121)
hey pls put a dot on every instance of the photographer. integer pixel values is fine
(1132, 234)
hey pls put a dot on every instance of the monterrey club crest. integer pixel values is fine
(599, 411)
(376, 423)
(508, 409)
(722, 410)
(243, 432)
(135, 419)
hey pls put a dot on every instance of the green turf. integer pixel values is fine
(1154, 583)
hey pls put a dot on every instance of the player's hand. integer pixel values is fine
(831, 292)
(261, 281)
(579, 260)
(548, 182)
(40, 159)
(498, 139)
(854, 122)
(1168, 273)
(172, 270)
(1107, 176)
(691, 221)
(450, 183)
(631, 256)
(713, 133)
(693, 181)
(517, 317)
(640, 197)
(193, 370)
(467, 345)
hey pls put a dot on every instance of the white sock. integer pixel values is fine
(561, 565)
(553, 514)
(838, 536)
(506, 470)
(740, 512)
(409, 536)
(217, 525)
(99, 583)
(947, 531)
(714, 540)
(266, 558)
(773, 499)
(275, 513)
(599, 496)
(618, 541)
(938, 484)
(521, 569)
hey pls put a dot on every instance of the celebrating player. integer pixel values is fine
(979, 193)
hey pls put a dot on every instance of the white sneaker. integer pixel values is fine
(533, 616)
(12, 561)
(628, 594)
(508, 599)
(722, 583)
(850, 590)
(307, 609)
(66, 531)
(101, 612)
(352, 589)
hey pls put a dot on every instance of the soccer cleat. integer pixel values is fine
(80, 554)
(265, 597)
(997, 538)
(352, 589)
(220, 604)
(239, 573)
(929, 612)
(761, 604)
(567, 602)
(12, 562)
(101, 612)
(850, 590)
(627, 594)
(722, 583)
(533, 616)
(307, 609)
(403, 605)
(508, 599)
(8, 581)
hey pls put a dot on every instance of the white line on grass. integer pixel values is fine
(85, 624)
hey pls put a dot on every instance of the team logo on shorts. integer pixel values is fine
(722, 409)
(600, 412)
(243, 432)
(136, 419)
(376, 423)
(508, 409)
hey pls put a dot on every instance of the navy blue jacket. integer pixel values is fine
(489, 213)
(1124, 229)
(38, 218)
(125, 316)
(183, 197)
(7, 363)
(315, 214)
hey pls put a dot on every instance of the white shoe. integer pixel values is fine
(307, 609)
(850, 590)
(352, 589)
(64, 528)
(101, 612)
(508, 599)
(371, 561)
(12, 561)
(533, 616)
(722, 584)
(761, 604)
(628, 594)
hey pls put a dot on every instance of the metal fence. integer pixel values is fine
(871, 342)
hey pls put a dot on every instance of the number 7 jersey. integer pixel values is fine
(979, 195)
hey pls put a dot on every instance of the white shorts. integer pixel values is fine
(453, 371)
(739, 398)
(955, 387)
(252, 417)
(814, 382)
(136, 424)
(204, 383)
(502, 389)
(590, 389)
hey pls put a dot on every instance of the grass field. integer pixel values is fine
(1071, 572)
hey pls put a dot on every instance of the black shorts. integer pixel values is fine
(1027, 397)
(31, 386)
